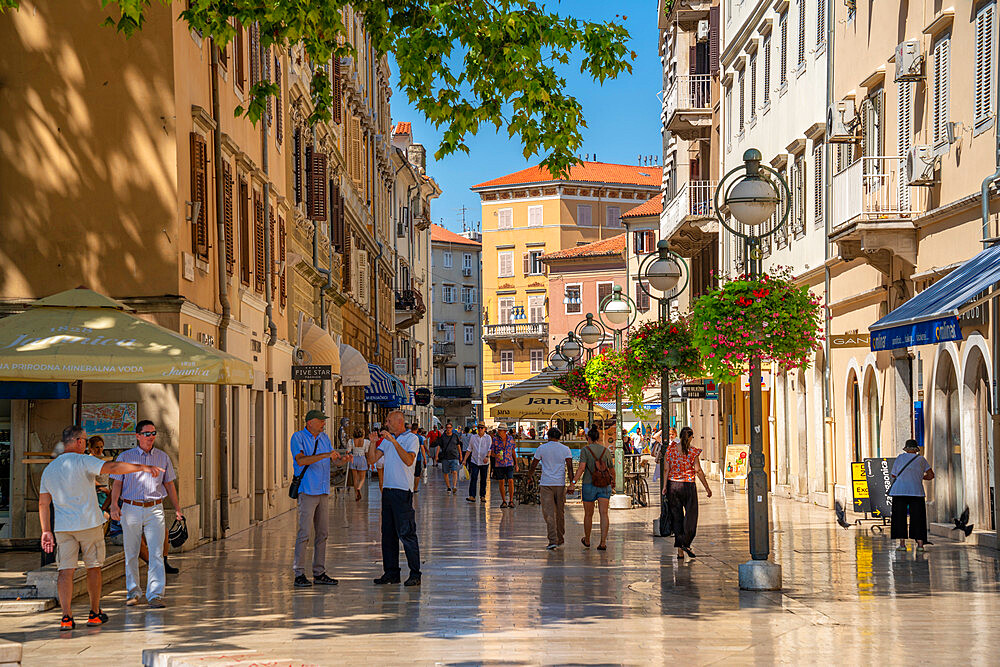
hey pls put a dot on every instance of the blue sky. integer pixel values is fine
(623, 116)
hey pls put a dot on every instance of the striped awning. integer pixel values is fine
(382, 388)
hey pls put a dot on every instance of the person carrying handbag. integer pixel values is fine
(909, 471)
(312, 453)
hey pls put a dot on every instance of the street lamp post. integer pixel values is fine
(752, 199)
(663, 270)
(617, 312)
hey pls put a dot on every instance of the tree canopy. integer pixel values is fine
(462, 63)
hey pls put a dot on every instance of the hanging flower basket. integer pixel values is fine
(656, 346)
(610, 370)
(769, 315)
(574, 383)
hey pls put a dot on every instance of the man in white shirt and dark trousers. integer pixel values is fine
(141, 514)
(557, 461)
(477, 458)
(398, 450)
(68, 484)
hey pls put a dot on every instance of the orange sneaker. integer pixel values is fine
(67, 623)
(100, 618)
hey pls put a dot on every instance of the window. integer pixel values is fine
(572, 299)
(802, 34)
(537, 360)
(258, 241)
(641, 296)
(448, 293)
(469, 295)
(767, 70)
(818, 184)
(238, 55)
(449, 332)
(449, 376)
(985, 59)
(227, 216)
(820, 22)
(603, 292)
(534, 216)
(469, 331)
(583, 218)
(753, 87)
(940, 91)
(507, 362)
(798, 221)
(729, 118)
(505, 218)
(470, 377)
(447, 259)
(505, 306)
(783, 53)
(644, 241)
(614, 217)
(536, 308)
(506, 264)
(533, 263)
(244, 232)
(199, 195)
(871, 123)
(742, 105)
(467, 260)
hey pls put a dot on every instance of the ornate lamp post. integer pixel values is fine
(752, 199)
(663, 271)
(590, 333)
(617, 312)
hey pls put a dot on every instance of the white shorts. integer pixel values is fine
(70, 544)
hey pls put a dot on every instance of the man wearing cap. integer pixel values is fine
(312, 453)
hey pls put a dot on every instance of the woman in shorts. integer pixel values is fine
(358, 465)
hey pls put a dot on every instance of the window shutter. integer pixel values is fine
(265, 58)
(271, 269)
(820, 22)
(345, 277)
(783, 56)
(802, 33)
(984, 65)
(244, 232)
(767, 69)
(281, 258)
(258, 240)
(904, 136)
(336, 216)
(239, 55)
(227, 215)
(713, 40)
(742, 102)
(526, 259)
(692, 60)
(297, 164)
(817, 184)
(753, 86)
(316, 174)
(942, 52)
(279, 126)
(199, 191)
(603, 292)
(337, 85)
(254, 54)
(650, 244)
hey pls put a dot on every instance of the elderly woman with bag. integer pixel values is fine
(597, 469)
(909, 471)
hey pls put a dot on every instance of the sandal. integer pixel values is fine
(602, 547)
(688, 551)
(585, 542)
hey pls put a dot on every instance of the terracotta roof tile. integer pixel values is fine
(402, 127)
(606, 248)
(652, 207)
(589, 172)
(441, 235)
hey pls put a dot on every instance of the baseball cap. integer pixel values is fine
(315, 414)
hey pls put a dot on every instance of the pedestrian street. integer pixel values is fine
(491, 593)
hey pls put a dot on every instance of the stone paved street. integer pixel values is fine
(492, 594)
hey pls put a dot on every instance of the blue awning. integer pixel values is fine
(626, 406)
(382, 388)
(932, 316)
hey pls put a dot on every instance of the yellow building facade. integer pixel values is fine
(525, 215)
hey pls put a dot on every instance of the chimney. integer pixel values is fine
(417, 156)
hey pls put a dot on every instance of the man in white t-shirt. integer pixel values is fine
(398, 452)
(556, 461)
(68, 485)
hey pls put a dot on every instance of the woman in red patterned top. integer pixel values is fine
(680, 466)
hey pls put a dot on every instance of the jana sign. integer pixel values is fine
(315, 372)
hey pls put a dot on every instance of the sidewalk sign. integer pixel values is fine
(879, 480)
(859, 483)
(736, 462)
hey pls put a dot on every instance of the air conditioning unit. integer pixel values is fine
(909, 61)
(442, 326)
(467, 272)
(920, 162)
(400, 230)
(703, 31)
(470, 307)
(840, 120)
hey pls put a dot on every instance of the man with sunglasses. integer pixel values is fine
(141, 514)
(477, 458)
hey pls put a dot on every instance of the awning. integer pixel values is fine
(547, 403)
(932, 316)
(82, 335)
(353, 368)
(627, 407)
(319, 348)
(385, 388)
(534, 383)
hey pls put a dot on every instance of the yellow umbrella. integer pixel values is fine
(82, 335)
(545, 403)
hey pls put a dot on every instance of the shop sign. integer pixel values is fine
(850, 340)
(422, 396)
(977, 316)
(400, 365)
(859, 485)
(312, 372)
(879, 480)
(737, 457)
(693, 390)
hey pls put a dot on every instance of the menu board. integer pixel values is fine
(115, 422)
(737, 457)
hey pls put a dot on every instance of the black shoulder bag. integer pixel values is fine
(293, 488)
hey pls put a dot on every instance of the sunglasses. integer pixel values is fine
(148, 434)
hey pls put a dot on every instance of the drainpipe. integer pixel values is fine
(268, 251)
(223, 294)
(828, 434)
(995, 326)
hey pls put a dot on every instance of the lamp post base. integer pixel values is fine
(760, 575)
(620, 501)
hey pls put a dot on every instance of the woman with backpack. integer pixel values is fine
(680, 466)
(597, 468)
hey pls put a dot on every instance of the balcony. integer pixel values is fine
(443, 352)
(873, 211)
(688, 220)
(687, 107)
(410, 308)
(517, 332)
(453, 392)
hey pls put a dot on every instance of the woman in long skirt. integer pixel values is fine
(680, 466)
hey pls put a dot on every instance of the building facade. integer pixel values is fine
(524, 216)
(458, 336)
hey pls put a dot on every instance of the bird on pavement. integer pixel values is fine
(841, 515)
(962, 523)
